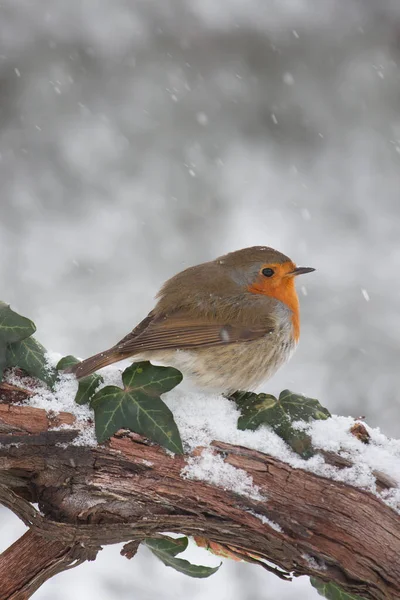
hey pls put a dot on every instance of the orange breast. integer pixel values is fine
(286, 293)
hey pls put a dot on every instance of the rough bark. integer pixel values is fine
(29, 562)
(128, 489)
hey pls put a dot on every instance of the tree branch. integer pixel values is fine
(40, 559)
(127, 490)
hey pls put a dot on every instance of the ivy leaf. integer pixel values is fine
(138, 406)
(66, 361)
(331, 590)
(258, 409)
(166, 550)
(167, 545)
(279, 414)
(87, 386)
(13, 328)
(300, 408)
(30, 355)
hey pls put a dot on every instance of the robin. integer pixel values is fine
(228, 324)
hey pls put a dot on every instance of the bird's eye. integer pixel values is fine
(267, 272)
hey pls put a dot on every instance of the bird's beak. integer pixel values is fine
(301, 271)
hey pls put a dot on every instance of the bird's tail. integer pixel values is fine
(96, 362)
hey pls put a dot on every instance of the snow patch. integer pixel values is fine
(203, 418)
(314, 564)
(213, 469)
(267, 521)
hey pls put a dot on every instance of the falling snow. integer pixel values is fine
(365, 294)
(288, 78)
(202, 118)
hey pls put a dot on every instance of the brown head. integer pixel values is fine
(263, 270)
(255, 270)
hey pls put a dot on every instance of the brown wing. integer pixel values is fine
(181, 331)
(176, 331)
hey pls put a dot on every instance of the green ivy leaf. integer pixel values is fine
(66, 361)
(138, 406)
(300, 408)
(30, 355)
(258, 409)
(87, 386)
(331, 590)
(167, 545)
(265, 409)
(166, 550)
(13, 328)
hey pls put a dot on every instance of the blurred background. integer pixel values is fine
(139, 137)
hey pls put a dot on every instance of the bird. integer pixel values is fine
(228, 324)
